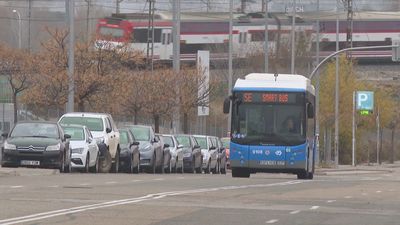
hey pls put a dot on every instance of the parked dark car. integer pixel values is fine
(192, 158)
(129, 157)
(167, 157)
(37, 144)
(151, 151)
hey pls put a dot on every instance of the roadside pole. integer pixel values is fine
(230, 70)
(353, 147)
(378, 136)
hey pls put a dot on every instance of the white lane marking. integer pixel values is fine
(84, 184)
(364, 194)
(271, 221)
(388, 175)
(348, 197)
(53, 186)
(391, 190)
(111, 182)
(50, 214)
(331, 201)
(159, 179)
(135, 180)
(180, 178)
(378, 191)
(295, 212)
(314, 207)
(18, 186)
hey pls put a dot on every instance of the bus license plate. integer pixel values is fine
(272, 163)
(30, 163)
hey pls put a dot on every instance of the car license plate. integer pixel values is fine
(30, 163)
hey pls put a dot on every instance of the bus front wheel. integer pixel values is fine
(240, 172)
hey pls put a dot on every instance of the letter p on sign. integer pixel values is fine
(365, 100)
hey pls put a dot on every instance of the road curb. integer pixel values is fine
(351, 172)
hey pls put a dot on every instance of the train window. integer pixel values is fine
(259, 36)
(169, 38)
(140, 35)
(164, 39)
(242, 37)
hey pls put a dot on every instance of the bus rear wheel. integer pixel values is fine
(303, 175)
(240, 172)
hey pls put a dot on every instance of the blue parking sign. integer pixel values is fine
(365, 100)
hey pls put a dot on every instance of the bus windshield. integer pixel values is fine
(268, 124)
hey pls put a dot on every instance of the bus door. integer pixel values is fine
(166, 44)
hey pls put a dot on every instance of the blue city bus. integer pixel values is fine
(272, 125)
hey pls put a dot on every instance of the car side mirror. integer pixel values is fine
(227, 105)
(310, 111)
(4, 135)
(166, 145)
(89, 140)
(108, 130)
(134, 143)
(212, 148)
(67, 136)
(196, 146)
(155, 140)
(180, 146)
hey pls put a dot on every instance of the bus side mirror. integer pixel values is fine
(310, 111)
(227, 105)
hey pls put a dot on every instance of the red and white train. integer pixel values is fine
(205, 31)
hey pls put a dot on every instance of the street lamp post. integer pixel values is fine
(19, 27)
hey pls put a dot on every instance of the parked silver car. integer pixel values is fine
(209, 152)
(175, 151)
(151, 151)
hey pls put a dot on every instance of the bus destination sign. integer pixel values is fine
(268, 97)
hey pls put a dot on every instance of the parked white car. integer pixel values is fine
(104, 131)
(84, 150)
(176, 152)
(209, 152)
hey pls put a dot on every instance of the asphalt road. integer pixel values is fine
(33, 196)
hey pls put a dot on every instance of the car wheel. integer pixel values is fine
(208, 169)
(223, 168)
(62, 164)
(154, 168)
(95, 168)
(137, 168)
(86, 170)
(105, 163)
(132, 164)
(116, 163)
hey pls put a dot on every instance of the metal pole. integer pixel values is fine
(336, 143)
(230, 70)
(353, 147)
(266, 48)
(378, 135)
(317, 87)
(176, 55)
(87, 20)
(29, 23)
(19, 28)
(71, 58)
(293, 37)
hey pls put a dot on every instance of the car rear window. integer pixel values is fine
(94, 124)
(35, 130)
(141, 133)
(123, 137)
(76, 133)
(168, 140)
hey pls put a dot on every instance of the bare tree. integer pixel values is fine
(16, 65)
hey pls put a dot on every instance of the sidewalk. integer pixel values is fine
(373, 168)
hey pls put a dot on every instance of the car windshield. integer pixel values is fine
(141, 133)
(225, 142)
(183, 140)
(77, 133)
(202, 142)
(123, 137)
(35, 130)
(94, 124)
(168, 140)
